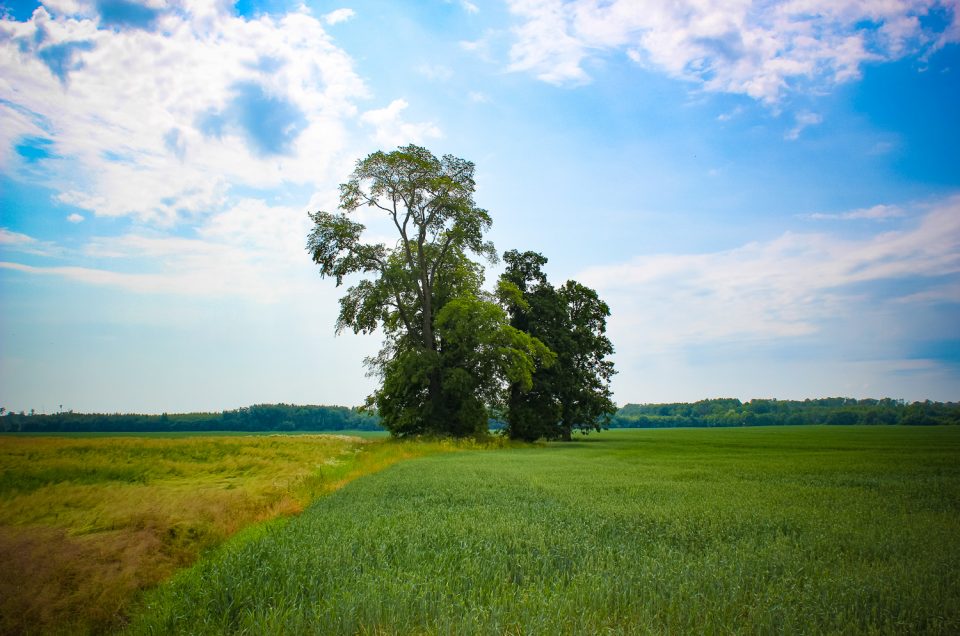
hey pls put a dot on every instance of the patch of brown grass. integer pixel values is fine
(56, 583)
(85, 523)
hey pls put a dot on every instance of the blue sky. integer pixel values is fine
(767, 194)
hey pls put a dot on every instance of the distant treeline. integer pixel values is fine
(260, 417)
(733, 412)
(705, 413)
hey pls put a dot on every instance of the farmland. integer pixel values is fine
(776, 530)
(87, 521)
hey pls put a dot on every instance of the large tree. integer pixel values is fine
(438, 376)
(574, 393)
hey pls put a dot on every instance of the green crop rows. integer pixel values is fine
(776, 530)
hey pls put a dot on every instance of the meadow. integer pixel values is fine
(89, 520)
(792, 530)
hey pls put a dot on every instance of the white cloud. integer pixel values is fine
(804, 119)
(469, 7)
(75, 218)
(24, 244)
(736, 112)
(784, 288)
(757, 49)
(390, 130)
(339, 15)
(252, 251)
(485, 46)
(10, 239)
(875, 213)
(209, 101)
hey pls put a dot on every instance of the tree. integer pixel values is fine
(574, 393)
(437, 375)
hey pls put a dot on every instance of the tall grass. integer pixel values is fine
(786, 530)
(86, 522)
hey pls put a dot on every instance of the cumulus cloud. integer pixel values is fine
(173, 116)
(751, 48)
(158, 113)
(784, 288)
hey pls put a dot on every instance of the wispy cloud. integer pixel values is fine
(339, 15)
(756, 49)
(804, 119)
(875, 213)
(24, 244)
(14, 239)
(437, 72)
(788, 287)
(729, 115)
(391, 130)
(252, 251)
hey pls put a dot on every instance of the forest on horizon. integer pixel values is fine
(721, 412)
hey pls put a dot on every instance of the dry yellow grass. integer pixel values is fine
(85, 523)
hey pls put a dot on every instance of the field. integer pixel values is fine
(87, 521)
(775, 530)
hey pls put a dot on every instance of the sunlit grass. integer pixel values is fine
(86, 521)
(781, 530)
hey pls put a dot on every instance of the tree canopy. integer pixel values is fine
(574, 393)
(449, 348)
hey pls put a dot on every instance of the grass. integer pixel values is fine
(88, 521)
(774, 530)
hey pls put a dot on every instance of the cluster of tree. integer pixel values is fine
(454, 354)
(733, 412)
(574, 392)
(261, 417)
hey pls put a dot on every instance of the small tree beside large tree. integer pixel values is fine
(574, 393)
(452, 352)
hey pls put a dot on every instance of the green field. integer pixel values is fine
(87, 520)
(775, 530)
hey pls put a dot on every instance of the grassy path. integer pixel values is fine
(775, 530)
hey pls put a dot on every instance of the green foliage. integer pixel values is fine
(573, 394)
(260, 417)
(448, 351)
(836, 411)
(402, 401)
(481, 354)
(805, 530)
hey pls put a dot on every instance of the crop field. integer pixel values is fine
(776, 530)
(87, 520)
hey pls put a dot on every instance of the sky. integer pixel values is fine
(767, 194)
